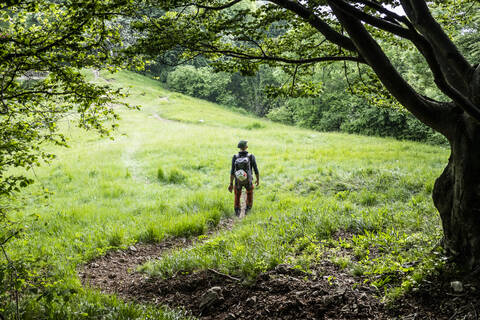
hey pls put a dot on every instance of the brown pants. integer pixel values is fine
(238, 194)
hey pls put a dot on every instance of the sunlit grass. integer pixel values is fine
(167, 171)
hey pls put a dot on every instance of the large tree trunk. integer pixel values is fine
(456, 195)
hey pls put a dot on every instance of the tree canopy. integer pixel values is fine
(43, 47)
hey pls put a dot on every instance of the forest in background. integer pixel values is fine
(332, 107)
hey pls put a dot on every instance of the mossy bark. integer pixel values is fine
(456, 195)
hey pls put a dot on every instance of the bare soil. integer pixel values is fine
(115, 272)
(283, 293)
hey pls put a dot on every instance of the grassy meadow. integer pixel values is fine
(166, 174)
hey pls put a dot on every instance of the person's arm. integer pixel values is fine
(230, 186)
(255, 169)
(232, 175)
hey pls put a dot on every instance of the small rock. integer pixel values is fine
(457, 286)
(122, 260)
(340, 291)
(328, 300)
(211, 297)
(112, 276)
(301, 293)
(282, 268)
(252, 300)
(95, 265)
(317, 293)
(132, 248)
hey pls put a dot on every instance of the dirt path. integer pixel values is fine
(131, 164)
(282, 293)
(157, 116)
(115, 272)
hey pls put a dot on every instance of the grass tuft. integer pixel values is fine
(176, 177)
(150, 235)
(255, 125)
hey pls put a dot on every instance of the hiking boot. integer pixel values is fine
(247, 210)
(237, 212)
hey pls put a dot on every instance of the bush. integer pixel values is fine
(254, 125)
(346, 113)
(282, 115)
(201, 83)
(225, 88)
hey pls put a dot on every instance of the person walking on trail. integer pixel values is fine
(241, 172)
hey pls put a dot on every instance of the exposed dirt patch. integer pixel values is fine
(283, 293)
(115, 272)
(436, 299)
(342, 234)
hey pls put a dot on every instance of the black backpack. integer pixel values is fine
(243, 169)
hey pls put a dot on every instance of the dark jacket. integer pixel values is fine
(253, 162)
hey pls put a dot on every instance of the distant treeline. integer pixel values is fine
(336, 109)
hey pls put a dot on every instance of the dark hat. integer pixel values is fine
(242, 144)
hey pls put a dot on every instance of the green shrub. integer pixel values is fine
(351, 114)
(176, 177)
(282, 115)
(201, 83)
(161, 175)
(255, 125)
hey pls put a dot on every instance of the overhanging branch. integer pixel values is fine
(373, 21)
(328, 32)
(428, 112)
(456, 67)
(439, 78)
(247, 56)
(392, 16)
(225, 6)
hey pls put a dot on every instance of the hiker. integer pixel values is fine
(242, 165)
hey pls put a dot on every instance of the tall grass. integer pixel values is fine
(166, 174)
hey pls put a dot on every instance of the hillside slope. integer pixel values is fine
(166, 175)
